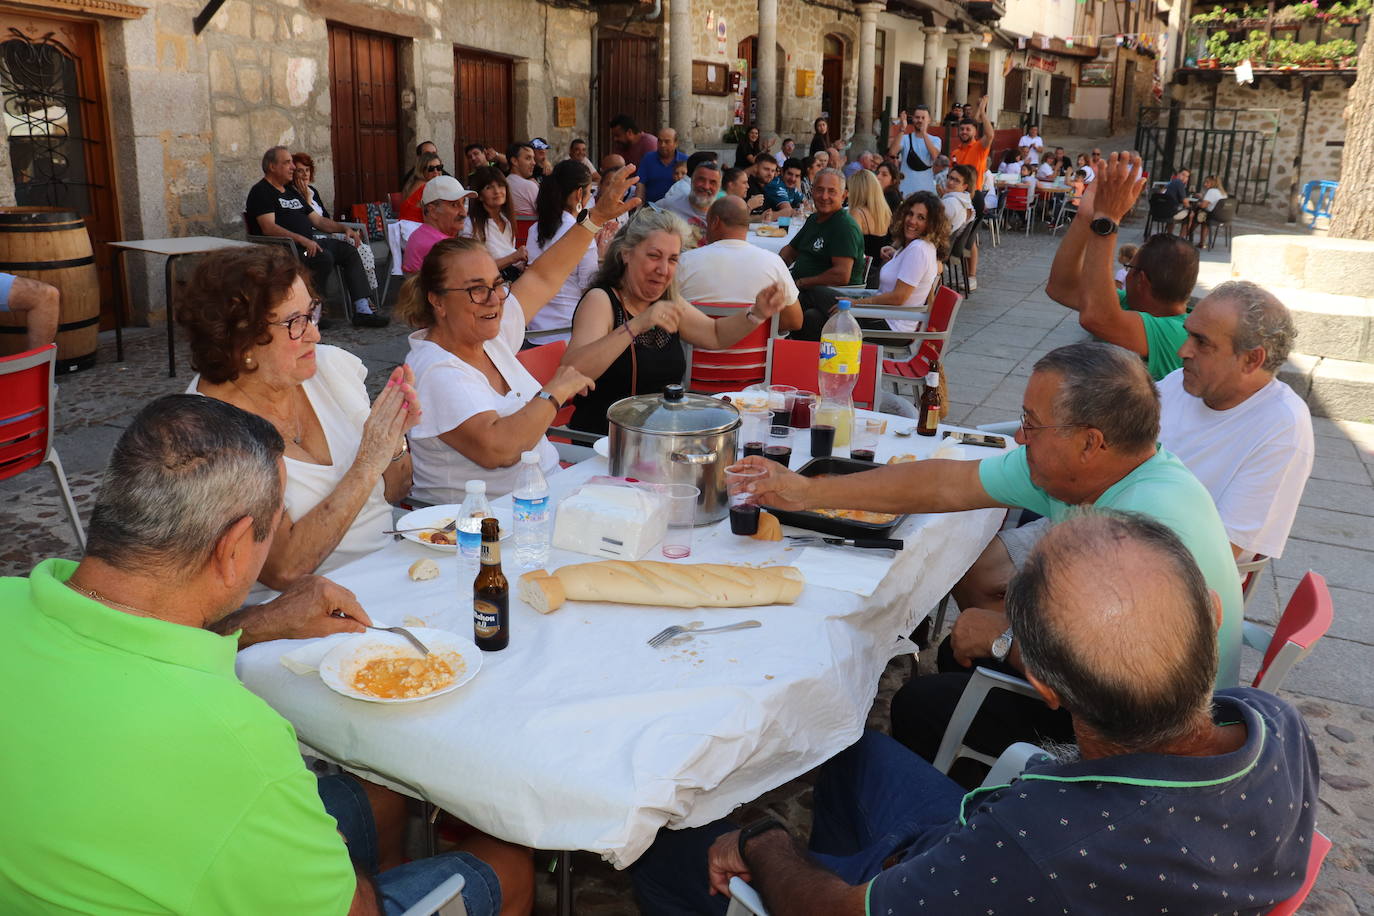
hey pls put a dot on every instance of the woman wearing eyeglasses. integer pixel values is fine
(482, 407)
(251, 318)
(427, 166)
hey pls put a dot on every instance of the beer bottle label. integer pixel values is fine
(486, 619)
(491, 553)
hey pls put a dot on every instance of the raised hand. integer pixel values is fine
(610, 202)
(567, 383)
(1117, 186)
(665, 314)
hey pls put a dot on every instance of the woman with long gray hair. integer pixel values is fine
(628, 329)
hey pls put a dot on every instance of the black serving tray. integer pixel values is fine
(813, 521)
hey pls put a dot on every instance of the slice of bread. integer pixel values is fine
(770, 529)
(541, 591)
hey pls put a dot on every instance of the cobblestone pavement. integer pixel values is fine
(1003, 328)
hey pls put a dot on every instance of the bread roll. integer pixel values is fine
(770, 529)
(424, 569)
(540, 591)
(677, 585)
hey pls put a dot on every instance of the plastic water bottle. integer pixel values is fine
(531, 519)
(841, 346)
(475, 508)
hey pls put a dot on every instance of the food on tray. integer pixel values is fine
(771, 232)
(858, 515)
(422, 570)
(438, 536)
(770, 529)
(902, 459)
(661, 584)
(395, 677)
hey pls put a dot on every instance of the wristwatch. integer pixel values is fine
(763, 825)
(557, 405)
(1103, 226)
(584, 219)
(1001, 646)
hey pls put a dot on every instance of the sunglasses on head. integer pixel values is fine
(434, 168)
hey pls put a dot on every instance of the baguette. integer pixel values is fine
(541, 591)
(675, 585)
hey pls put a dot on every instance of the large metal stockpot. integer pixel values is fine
(676, 437)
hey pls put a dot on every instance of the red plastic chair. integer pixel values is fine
(542, 362)
(744, 364)
(1017, 199)
(395, 198)
(905, 375)
(1305, 620)
(27, 397)
(794, 362)
(1320, 846)
(523, 225)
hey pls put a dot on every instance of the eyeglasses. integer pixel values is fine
(479, 295)
(295, 326)
(1027, 427)
(435, 168)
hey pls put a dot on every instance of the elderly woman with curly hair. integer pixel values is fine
(251, 317)
(628, 329)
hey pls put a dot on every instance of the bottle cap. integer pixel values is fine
(529, 458)
(843, 305)
(475, 486)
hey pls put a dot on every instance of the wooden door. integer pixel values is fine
(748, 50)
(51, 80)
(484, 99)
(365, 81)
(832, 83)
(626, 83)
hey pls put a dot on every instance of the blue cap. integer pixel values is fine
(843, 305)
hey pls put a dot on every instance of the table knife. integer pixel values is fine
(870, 543)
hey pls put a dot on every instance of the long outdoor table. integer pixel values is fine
(580, 736)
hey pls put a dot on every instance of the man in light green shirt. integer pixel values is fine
(1089, 430)
(1147, 316)
(139, 775)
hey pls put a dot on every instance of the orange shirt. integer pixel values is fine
(975, 156)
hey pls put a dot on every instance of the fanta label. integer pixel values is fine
(840, 357)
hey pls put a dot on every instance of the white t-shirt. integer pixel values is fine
(957, 204)
(1254, 458)
(338, 395)
(452, 392)
(1090, 173)
(522, 193)
(1046, 172)
(1010, 168)
(679, 188)
(731, 270)
(1036, 144)
(912, 180)
(500, 242)
(559, 311)
(1211, 197)
(989, 191)
(914, 265)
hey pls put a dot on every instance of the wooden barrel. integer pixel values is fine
(51, 244)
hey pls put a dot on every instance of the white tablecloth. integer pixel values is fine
(774, 243)
(580, 736)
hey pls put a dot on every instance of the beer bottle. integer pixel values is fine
(491, 594)
(930, 406)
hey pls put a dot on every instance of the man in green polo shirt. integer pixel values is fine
(1147, 316)
(139, 774)
(826, 252)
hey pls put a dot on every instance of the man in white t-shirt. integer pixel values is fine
(1034, 144)
(521, 184)
(916, 149)
(1246, 435)
(726, 268)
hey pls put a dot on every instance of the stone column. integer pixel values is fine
(680, 68)
(868, 32)
(997, 83)
(962, 45)
(930, 72)
(766, 87)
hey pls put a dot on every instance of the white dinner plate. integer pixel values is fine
(438, 517)
(343, 661)
(602, 447)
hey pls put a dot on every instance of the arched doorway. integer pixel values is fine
(749, 50)
(832, 81)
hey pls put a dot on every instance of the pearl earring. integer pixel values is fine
(248, 361)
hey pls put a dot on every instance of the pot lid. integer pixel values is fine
(674, 411)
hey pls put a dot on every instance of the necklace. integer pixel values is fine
(277, 421)
(96, 596)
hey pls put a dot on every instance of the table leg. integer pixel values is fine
(565, 884)
(120, 300)
(171, 325)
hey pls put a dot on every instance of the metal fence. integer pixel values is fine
(1208, 141)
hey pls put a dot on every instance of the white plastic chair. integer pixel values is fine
(28, 396)
(446, 900)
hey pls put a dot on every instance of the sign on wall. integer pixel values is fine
(1095, 73)
(806, 84)
(566, 111)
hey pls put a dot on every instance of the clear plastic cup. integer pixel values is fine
(753, 429)
(744, 513)
(682, 518)
(803, 407)
(780, 399)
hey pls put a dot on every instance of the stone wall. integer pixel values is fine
(1325, 124)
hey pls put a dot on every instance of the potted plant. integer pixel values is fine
(1338, 50)
(1212, 15)
(1217, 50)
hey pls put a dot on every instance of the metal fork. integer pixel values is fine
(400, 631)
(447, 529)
(673, 632)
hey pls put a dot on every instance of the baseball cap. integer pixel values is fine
(539, 143)
(445, 187)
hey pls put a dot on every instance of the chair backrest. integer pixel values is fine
(395, 198)
(1221, 211)
(523, 225)
(1305, 620)
(744, 364)
(542, 362)
(1317, 848)
(795, 362)
(944, 309)
(26, 409)
(1016, 197)
(1162, 207)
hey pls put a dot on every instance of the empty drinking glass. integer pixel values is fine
(682, 518)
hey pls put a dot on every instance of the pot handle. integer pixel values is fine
(693, 457)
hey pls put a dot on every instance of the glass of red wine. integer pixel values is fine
(744, 514)
(779, 445)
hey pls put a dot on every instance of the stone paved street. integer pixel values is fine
(1002, 330)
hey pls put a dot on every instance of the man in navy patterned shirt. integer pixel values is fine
(1177, 800)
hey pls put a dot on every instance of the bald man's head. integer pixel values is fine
(1113, 614)
(728, 218)
(612, 161)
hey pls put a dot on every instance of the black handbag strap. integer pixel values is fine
(913, 161)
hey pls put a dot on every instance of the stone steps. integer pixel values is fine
(1340, 389)
(1329, 325)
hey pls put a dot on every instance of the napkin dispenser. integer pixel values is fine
(611, 522)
